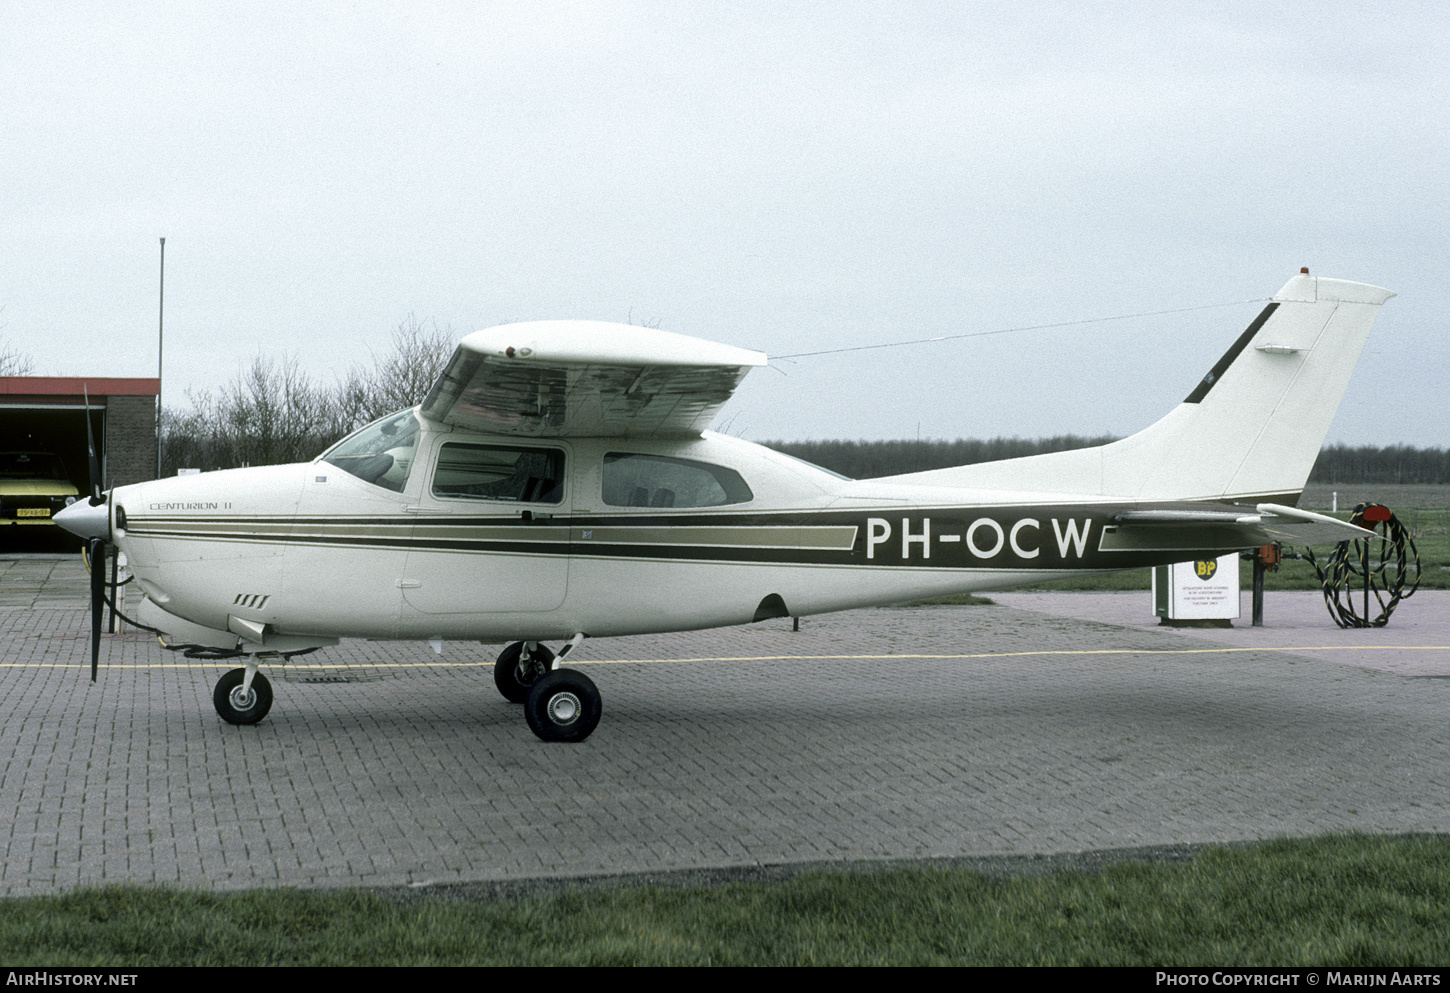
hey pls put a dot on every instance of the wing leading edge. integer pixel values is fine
(550, 379)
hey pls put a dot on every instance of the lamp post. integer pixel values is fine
(160, 339)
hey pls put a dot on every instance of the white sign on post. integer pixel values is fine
(1207, 589)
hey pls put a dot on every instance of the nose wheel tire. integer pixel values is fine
(513, 674)
(563, 706)
(236, 707)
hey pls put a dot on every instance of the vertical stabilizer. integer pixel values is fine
(1251, 428)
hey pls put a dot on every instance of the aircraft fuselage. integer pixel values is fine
(312, 550)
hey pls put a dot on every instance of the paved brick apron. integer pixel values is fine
(1039, 730)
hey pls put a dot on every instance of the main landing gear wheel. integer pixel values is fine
(563, 706)
(236, 707)
(513, 674)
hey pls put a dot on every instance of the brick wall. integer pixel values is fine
(130, 444)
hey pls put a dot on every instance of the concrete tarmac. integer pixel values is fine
(1043, 725)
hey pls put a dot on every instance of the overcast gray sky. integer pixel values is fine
(787, 177)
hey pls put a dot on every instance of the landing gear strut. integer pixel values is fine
(559, 704)
(519, 666)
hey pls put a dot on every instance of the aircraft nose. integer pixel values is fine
(85, 520)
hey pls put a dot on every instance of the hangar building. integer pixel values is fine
(48, 415)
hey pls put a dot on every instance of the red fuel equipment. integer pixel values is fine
(1266, 559)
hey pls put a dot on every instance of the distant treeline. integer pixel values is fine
(870, 459)
(1392, 464)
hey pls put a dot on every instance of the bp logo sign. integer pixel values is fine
(1199, 589)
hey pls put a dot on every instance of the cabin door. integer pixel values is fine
(491, 533)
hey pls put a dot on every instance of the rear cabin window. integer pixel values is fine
(498, 472)
(658, 481)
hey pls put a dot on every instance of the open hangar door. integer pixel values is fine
(43, 419)
(31, 430)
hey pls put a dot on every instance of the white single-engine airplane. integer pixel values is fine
(558, 483)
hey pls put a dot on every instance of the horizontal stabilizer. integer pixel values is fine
(1170, 518)
(1293, 526)
(1223, 530)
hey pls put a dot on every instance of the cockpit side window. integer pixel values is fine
(499, 472)
(659, 481)
(381, 453)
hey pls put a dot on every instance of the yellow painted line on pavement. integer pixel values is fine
(213, 663)
(1009, 655)
(237, 663)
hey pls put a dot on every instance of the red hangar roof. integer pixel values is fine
(58, 389)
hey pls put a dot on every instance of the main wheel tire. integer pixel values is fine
(513, 678)
(236, 707)
(563, 706)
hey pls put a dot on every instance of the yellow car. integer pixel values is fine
(33, 486)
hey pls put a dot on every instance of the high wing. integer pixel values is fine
(550, 379)
(1224, 530)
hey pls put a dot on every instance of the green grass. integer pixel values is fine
(1430, 529)
(1340, 900)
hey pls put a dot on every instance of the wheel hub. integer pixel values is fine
(242, 700)
(564, 709)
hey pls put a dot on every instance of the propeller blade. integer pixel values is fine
(96, 544)
(98, 587)
(91, 450)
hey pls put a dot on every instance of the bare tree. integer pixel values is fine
(13, 362)
(273, 412)
(402, 377)
(268, 414)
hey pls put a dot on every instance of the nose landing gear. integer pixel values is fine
(240, 700)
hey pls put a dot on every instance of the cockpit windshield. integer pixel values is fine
(381, 453)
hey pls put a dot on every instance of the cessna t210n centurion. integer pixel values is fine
(558, 483)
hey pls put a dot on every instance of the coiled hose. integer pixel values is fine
(1382, 565)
